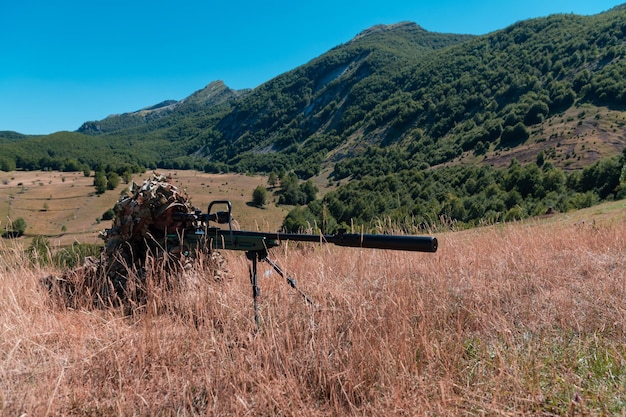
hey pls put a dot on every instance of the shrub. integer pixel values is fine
(39, 250)
(15, 228)
(108, 215)
(259, 196)
(515, 134)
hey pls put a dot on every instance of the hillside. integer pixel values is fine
(438, 96)
(547, 91)
(65, 208)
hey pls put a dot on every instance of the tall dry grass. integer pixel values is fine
(524, 319)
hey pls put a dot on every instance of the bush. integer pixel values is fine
(299, 220)
(515, 134)
(113, 180)
(16, 228)
(39, 250)
(259, 196)
(75, 255)
(108, 215)
(100, 182)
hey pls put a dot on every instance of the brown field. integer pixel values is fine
(237, 188)
(506, 320)
(64, 207)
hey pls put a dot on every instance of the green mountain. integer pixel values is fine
(207, 100)
(301, 113)
(398, 104)
(439, 97)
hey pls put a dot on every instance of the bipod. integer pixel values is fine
(261, 255)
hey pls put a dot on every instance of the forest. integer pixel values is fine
(418, 200)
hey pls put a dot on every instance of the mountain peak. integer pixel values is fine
(214, 94)
(382, 28)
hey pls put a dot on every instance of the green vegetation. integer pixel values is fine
(260, 196)
(292, 192)
(41, 252)
(108, 215)
(100, 182)
(15, 228)
(466, 195)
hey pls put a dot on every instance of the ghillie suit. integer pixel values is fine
(135, 249)
(140, 225)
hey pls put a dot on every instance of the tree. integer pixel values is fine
(113, 180)
(272, 180)
(259, 196)
(15, 228)
(299, 220)
(100, 182)
(515, 134)
(536, 113)
(7, 164)
(541, 159)
(309, 190)
(290, 191)
(127, 175)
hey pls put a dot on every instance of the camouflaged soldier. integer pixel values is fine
(141, 221)
(134, 243)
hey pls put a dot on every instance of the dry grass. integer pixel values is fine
(526, 319)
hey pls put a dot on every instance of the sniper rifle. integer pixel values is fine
(196, 233)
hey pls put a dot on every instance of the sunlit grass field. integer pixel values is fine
(510, 319)
(64, 207)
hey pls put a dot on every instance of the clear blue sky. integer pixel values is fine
(65, 62)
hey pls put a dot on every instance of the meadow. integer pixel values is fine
(64, 206)
(524, 318)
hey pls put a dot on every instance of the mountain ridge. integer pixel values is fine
(214, 94)
(440, 96)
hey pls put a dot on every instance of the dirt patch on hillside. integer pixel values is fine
(570, 141)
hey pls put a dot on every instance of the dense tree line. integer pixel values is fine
(71, 152)
(465, 195)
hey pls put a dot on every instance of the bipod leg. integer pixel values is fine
(252, 256)
(290, 280)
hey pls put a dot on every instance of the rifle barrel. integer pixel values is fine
(393, 242)
(355, 240)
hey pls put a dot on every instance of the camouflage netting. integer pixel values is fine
(135, 246)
